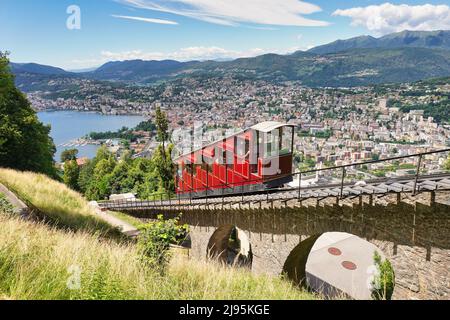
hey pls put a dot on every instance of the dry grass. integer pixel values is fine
(43, 261)
(54, 201)
(37, 261)
(208, 280)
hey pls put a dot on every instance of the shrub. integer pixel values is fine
(384, 281)
(156, 237)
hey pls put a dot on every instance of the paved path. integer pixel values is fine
(125, 227)
(20, 206)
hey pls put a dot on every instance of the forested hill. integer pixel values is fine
(401, 57)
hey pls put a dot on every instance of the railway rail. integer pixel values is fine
(238, 195)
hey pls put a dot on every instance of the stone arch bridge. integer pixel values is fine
(413, 234)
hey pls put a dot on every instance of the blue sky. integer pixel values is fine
(36, 31)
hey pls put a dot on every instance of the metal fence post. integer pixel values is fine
(207, 183)
(342, 182)
(417, 175)
(299, 186)
(170, 200)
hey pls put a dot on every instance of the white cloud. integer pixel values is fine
(184, 54)
(191, 53)
(233, 12)
(386, 18)
(149, 20)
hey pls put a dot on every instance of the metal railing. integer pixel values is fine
(256, 186)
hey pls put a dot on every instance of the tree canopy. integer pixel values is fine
(25, 143)
(105, 175)
(69, 154)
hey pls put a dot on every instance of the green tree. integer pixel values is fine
(120, 180)
(162, 157)
(71, 174)
(100, 171)
(162, 160)
(69, 154)
(162, 127)
(25, 143)
(85, 176)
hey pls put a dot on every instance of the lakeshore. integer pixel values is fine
(68, 129)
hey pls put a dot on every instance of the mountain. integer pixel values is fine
(422, 39)
(36, 77)
(400, 57)
(137, 70)
(37, 69)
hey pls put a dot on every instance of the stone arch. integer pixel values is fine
(334, 264)
(230, 245)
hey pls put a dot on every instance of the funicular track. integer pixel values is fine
(346, 188)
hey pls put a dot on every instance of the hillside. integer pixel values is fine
(38, 69)
(54, 201)
(421, 39)
(350, 68)
(132, 70)
(45, 261)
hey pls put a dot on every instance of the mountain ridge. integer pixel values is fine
(353, 66)
(439, 39)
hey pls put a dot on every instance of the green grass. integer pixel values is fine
(54, 201)
(38, 262)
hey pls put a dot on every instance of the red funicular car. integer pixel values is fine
(254, 159)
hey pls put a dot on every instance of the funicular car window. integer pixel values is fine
(207, 163)
(241, 146)
(221, 156)
(272, 143)
(189, 167)
(229, 159)
(286, 140)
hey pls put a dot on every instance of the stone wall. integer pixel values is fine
(415, 238)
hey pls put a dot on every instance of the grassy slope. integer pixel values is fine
(54, 200)
(37, 260)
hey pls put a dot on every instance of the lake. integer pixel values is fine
(71, 125)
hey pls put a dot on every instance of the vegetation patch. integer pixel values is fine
(384, 281)
(156, 237)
